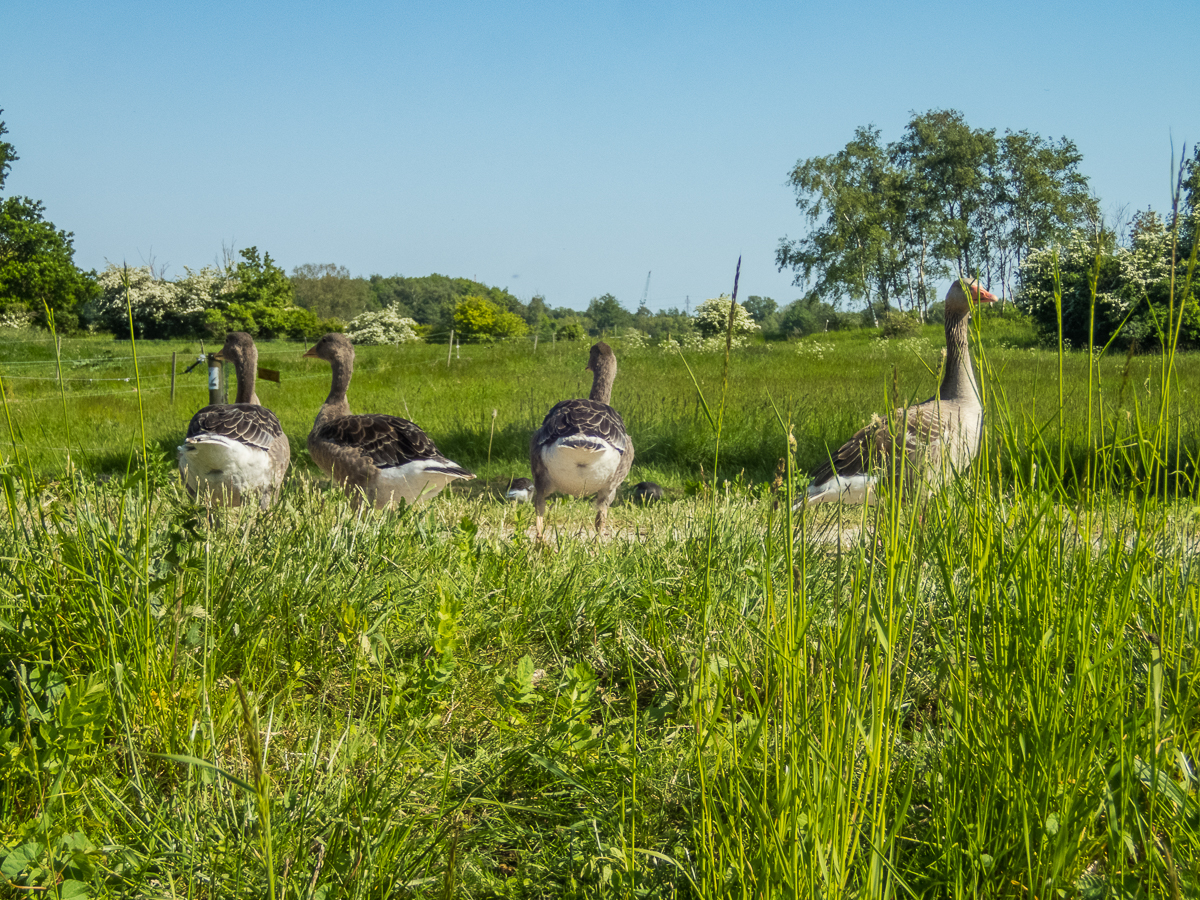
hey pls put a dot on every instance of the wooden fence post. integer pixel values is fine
(172, 377)
(214, 381)
(450, 349)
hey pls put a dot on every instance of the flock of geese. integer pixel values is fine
(238, 450)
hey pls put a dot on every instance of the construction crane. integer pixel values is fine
(646, 290)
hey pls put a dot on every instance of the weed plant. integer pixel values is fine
(989, 691)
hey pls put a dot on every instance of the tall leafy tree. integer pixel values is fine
(942, 200)
(608, 314)
(330, 291)
(8, 153)
(37, 261)
(948, 165)
(857, 200)
(1040, 197)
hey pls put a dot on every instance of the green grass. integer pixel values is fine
(988, 692)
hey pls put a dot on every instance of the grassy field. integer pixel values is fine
(988, 692)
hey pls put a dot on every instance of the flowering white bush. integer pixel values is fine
(159, 307)
(697, 343)
(632, 339)
(384, 326)
(668, 345)
(712, 318)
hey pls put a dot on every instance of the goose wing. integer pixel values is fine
(387, 441)
(918, 430)
(247, 423)
(588, 417)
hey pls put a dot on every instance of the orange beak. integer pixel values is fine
(983, 296)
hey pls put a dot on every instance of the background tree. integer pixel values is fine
(477, 318)
(38, 274)
(760, 307)
(712, 318)
(329, 291)
(8, 153)
(1132, 285)
(431, 300)
(607, 314)
(261, 301)
(948, 165)
(944, 199)
(859, 249)
(1040, 196)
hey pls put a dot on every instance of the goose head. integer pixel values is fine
(239, 349)
(602, 359)
(962, 293)
(333, 348)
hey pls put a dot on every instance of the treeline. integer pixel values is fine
(946, 200)
(884, 224)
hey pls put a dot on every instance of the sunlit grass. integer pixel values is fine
(987, 692)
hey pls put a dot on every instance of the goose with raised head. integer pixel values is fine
(385, 458)
(239, 448)
(582, 447)
(930, 442)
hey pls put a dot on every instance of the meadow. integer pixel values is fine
(991, 691)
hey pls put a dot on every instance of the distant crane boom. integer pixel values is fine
(646, 290)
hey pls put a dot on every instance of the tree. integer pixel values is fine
(1041, 196)
(608, 314)
(330, 292)
(479, 319)
(8, 153)
(37, 266)
(859, 248)
(37, 261)
(1132, 288)
(948, 164)
(760, 307)
(261, 303)
(945, 199)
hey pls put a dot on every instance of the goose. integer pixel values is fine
(238, 448)
(647, 492)
(520, 491)
(938, 438)
(582, 448)
(383, 457)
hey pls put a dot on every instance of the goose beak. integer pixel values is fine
(218, 357)
(311, 351)
(985, 297)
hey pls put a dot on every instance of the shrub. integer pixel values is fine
(570, 329)
(1132, 284)
(898, 324)
(160, 308)
(385, 326)
(477, 318)
(712, 318)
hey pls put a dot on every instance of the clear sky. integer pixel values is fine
(558, 148)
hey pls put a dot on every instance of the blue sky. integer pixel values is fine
(557, 148)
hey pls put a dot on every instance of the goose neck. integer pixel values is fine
(602, 381)
(247, 371)
(958, 379)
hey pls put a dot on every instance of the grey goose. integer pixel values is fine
(938, 438)
(384, 458)
(235, 449)
(582, 447)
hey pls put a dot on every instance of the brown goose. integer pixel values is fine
(384, 457)
(582, 448)
(939, 438)
(235, 448)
